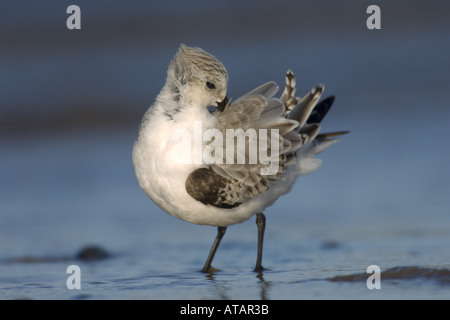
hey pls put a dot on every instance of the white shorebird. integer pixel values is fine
(221, 193)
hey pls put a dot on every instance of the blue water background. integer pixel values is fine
(70, 106)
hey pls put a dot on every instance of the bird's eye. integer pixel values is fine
(210, 85)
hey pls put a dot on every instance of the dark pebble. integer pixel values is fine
(93, 253)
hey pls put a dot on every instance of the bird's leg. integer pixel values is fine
(207, 267)
(261, 223)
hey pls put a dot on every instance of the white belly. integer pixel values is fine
(162, 167)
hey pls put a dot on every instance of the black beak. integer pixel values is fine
(221, 105)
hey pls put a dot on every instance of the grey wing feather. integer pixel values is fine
(296, 124)
(267, 90)
(256, 110)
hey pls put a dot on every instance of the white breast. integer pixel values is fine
(162, 166)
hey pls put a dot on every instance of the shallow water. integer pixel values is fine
(380, 197)
(86, 194)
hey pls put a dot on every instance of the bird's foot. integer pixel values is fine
(210, 270)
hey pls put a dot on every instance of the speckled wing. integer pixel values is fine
(239, 177)
(292, 121)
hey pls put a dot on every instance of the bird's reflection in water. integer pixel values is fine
(264, 285)
(222, 287)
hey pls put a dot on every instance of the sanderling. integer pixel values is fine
(192, 187)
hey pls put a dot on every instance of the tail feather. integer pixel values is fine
(288, 96)
(302, 111)
(320, 110)
(327, 136)
(309, 132)
(323, 141)
(308, 112)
